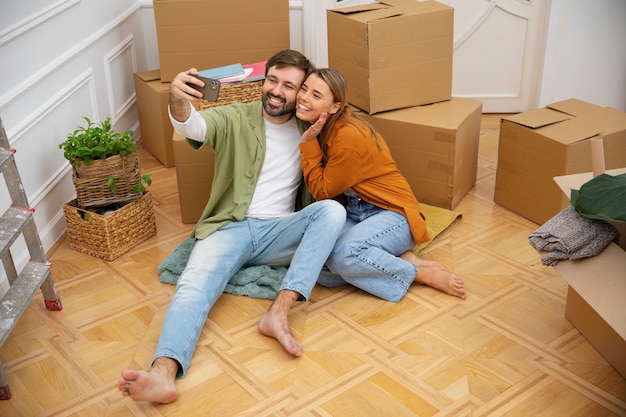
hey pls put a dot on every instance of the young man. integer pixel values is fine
(250, 218)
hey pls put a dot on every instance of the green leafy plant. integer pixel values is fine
(94, 141)
(97, 141)
(139, 187)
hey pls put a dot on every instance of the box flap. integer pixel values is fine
(445, 115)
(571, 131)
(369, 12)
(361, 8)
(574, 107)
(538, 118)
(556, 125)
(151, 75)
(567, 183)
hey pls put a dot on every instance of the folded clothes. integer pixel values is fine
(570, 235)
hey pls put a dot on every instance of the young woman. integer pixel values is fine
(350, 161)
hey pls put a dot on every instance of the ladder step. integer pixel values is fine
(5, 156)
(11, 225)
(19, 295)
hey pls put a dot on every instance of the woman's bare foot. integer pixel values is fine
(156, 385)
(275, 323)
(436, 275)
(409, 256)
(441, 280)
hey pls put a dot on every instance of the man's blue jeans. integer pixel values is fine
(366, 252)
(302, 240)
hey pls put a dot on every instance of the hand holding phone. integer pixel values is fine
(211, 88)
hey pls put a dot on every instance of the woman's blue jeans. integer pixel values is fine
(302, 240)
(366, 252)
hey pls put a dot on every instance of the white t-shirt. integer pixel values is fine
(276, 189)
(275, 192)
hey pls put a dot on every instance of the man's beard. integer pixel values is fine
(274, 111)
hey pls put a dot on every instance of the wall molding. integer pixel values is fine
(119, 107)
(45, 109)
(56, 64)
(35, 20)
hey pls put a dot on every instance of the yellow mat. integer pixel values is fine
(438, 220)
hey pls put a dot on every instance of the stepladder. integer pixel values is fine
(25, 278)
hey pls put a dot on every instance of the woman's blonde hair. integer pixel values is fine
(339, 89)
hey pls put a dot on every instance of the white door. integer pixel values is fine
(498, 48)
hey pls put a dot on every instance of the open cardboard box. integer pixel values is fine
(597, 290)
(552, 141)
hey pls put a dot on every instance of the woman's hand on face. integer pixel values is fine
(314, 130)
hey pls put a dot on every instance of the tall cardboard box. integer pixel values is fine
(435, 147)
(544, 143)
(154, 122)
(394, 53)
(211, 33)
(194, 173)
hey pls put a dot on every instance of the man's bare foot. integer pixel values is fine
(435, 275)
(275, 324)
(156, 385)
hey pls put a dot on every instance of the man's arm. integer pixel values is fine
(185, 119)
(181, 94)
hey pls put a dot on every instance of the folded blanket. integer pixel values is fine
(570, 235)
(256, 281)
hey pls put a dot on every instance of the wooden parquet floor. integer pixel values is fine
(505, 351)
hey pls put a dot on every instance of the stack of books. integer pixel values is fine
(235, 73)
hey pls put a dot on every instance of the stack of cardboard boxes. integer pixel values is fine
(201, 34)
(396, 56)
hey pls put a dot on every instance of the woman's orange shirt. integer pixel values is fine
(354, 160)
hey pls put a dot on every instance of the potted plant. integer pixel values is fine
(112, 212)
(105, 164)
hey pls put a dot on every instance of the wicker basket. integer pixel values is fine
(92, 188)
(242, 92)
(109, 236)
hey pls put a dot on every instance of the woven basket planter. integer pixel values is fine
(109, 236)
(92, 188)
(242, 92)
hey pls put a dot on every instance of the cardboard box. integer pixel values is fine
(194, 173)
(394, 53)
(211, 33)
(595, 302)
(596, 290)
(538, 145)
(154, 122)
(435, 147)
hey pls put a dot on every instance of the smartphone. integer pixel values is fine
(211, 89)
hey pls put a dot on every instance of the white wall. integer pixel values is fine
(585, 56)
(63, 59)
(60, 60)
